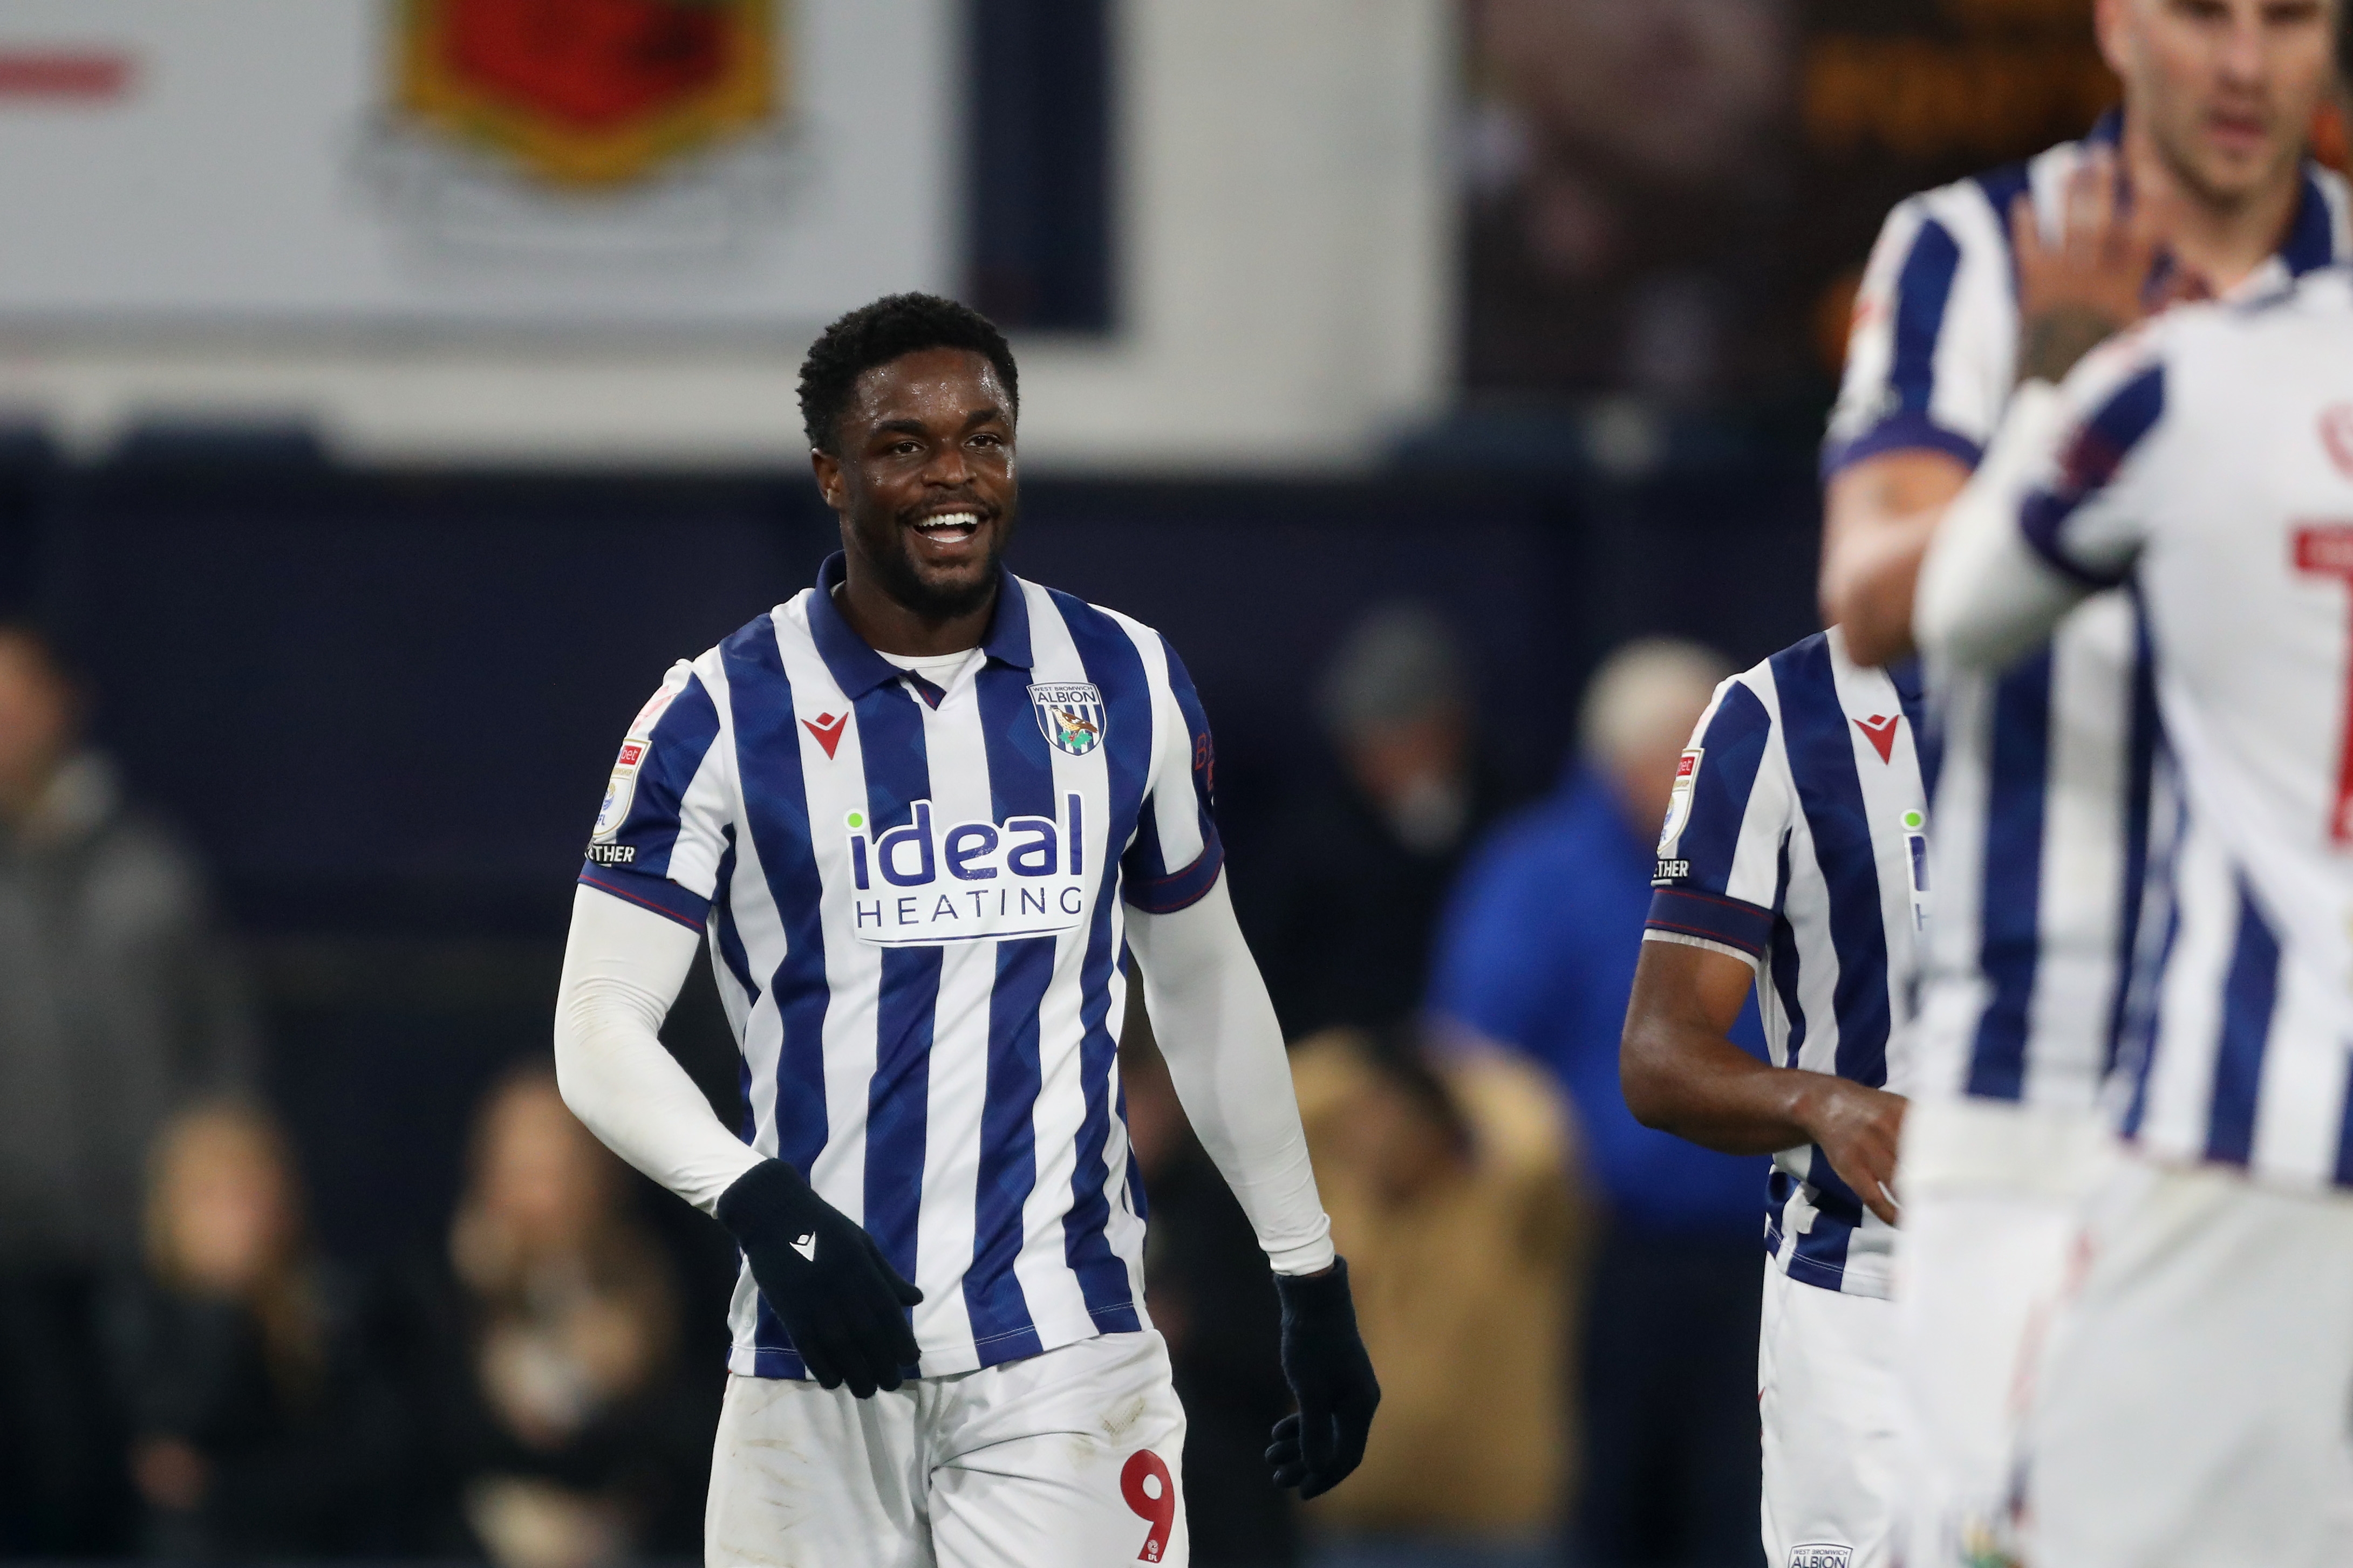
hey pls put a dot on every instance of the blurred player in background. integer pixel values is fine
(2198, 186)
(2192, 1408)
(919, 812)
(1792, 860)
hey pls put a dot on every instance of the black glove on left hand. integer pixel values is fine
(1323, 1361)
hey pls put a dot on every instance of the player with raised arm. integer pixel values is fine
(921, 813)
(2191, 1410)
(1792, 860)
(2198, 187)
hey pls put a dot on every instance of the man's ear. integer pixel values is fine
(827, 469)
(2108, 25)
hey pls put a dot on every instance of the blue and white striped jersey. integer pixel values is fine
(1797, 840)
(913, 898)
(2042, 805)
(2209, 459)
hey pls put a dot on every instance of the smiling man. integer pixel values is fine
(919, 812)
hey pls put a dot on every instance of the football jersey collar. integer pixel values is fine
(858, 669)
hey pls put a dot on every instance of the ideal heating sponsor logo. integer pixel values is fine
(922, 884)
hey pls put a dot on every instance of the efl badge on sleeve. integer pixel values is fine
(620, 788)
(1071, 717)
(1679, 801)
(589, 93)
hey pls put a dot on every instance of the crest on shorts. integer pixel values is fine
(1070, 716)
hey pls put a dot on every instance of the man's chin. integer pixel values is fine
(943, 594)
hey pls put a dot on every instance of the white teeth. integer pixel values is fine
(966, 519)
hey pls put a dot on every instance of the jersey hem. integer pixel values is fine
(782, 1365)
(1869, 1281)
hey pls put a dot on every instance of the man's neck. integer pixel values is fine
(890, 627)
(2222, 242)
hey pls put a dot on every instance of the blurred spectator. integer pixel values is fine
(261, 1425)
(1340, 907)
(1450, 1197)
(1538, 954)
(118, 1003)
(569, 1430)
(1613, 246)
(1213, 1299)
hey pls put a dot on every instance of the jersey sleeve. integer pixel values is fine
(2083, 512)
(1176, 854)
(663, 827)
(1930, 352)
(1719, 881)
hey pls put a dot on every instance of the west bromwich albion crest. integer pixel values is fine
(1070, 716)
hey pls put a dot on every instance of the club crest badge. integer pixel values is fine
(583, 95)
(1071, 717)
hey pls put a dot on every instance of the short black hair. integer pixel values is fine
(875, 335)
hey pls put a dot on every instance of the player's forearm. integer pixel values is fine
(622, 969)
(1878, 518)
(1218, 1031)
(1681, 1077)
(1985, 596)
(1867, 589)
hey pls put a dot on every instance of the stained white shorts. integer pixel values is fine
(1993, 1198)
(1826, 1396)
(1068, 1459)
(2191, 1410)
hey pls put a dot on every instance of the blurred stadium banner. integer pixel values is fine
(559, 162)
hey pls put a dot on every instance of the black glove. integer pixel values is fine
(1323, 1361)
(844, 1306)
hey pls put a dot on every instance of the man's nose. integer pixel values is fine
(949, 466)
(2242, 60)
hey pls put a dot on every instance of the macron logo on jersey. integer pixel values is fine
(922, 884)
(1880, 731)
(828, 729)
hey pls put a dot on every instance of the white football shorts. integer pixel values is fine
(1068, 1459)
(1826, 1398)
(1993, 1198)
(2190, 1409)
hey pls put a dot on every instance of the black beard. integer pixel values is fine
(932, 602)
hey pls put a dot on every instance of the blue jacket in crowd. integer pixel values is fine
(1536, 950)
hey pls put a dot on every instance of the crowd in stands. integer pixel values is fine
(1562, 1305)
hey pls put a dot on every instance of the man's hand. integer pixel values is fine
(1857, 1127)
(1682, 1075)
(2096, 278)
(1323, 1361)
(843, 1304)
